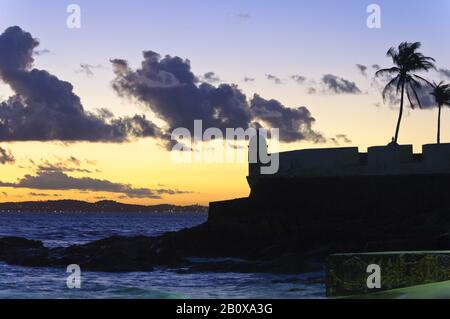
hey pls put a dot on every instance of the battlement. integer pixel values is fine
(348, 161)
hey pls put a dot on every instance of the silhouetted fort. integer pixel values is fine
(379, 160)
(343, 200)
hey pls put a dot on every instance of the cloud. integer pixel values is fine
(445, 72)
(343, 138)
(168, 87)
(211, 77)
(45, 108)
(294, 123)
(340, 139)
(248, 79)
(6, 157)
(273, 78)
(41, 52)
(299, 79)
(74, 160)
(67, 165)
(33, 194)
(104, 113)
(88, 69)
(362, 69)
(376, 67)
(392, 95)
(171, 192)
(71, 164)
(424, 94)
(58, 180)
(333, 84)
(311, 90)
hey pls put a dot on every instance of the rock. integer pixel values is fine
(21, 251)
(117, 254)
(7, 243)
(281, 242)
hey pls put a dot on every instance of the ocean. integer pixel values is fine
(64, 229)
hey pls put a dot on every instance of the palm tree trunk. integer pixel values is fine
(439, 125)
(400, 114)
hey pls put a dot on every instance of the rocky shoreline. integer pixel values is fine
(273, 244)
(136, 254)
(275, 229)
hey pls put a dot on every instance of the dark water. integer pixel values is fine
(74, 228)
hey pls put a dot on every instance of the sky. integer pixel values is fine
(299, 53)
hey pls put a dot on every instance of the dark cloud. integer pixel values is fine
(45, 108)
(6, 157)
(41, 52)
(299, 79)
(169, 88)
(340, 139)
(273, 78)
(445, 72)
(74, 160)
(171, 192)
(57, 180)
(336, 85)
(344, 138)
(70, 164)
(424, 95)
(362, 69)
(248, 79)
(376, 67)
(33, 194)
(88, 69)
(104, 113)
(392, 95)
(294, 123)
(211, 77)
(47, 166)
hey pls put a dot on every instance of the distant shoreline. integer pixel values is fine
(75, 206)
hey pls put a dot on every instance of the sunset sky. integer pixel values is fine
(318, 54)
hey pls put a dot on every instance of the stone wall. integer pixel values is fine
(347, 274)
(379, 160)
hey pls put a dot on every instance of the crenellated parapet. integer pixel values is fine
(348, 161)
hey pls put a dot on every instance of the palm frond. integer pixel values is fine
(422, 79)
(411, 103)
(411, 86)
(387, 70)
(441, 93)
(388, 86)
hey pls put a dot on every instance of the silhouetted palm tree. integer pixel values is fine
(406, 60)
(441, 93)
